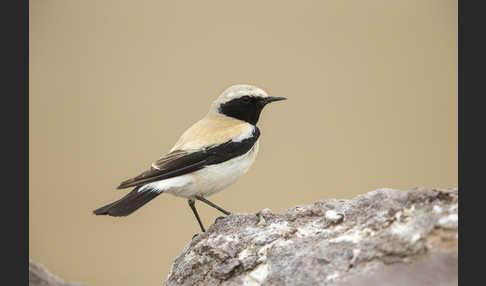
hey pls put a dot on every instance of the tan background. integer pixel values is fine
(372, 88)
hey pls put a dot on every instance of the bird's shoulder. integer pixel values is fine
(214, 130)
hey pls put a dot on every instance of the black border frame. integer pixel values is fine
(15, 119)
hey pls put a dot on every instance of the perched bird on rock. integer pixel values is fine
(211, 155)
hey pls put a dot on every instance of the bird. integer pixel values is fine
(208, 157)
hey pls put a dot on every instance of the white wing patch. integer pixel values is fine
(247, 133)
(168, 184)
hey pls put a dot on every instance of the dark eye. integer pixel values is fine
(246, 99)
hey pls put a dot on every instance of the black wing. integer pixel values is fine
(181, 162)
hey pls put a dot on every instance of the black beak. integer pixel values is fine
(274, 98)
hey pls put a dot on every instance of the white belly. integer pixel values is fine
(209, 180)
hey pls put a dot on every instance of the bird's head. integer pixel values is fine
(243, 102)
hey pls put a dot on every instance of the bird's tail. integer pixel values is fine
(129, 203)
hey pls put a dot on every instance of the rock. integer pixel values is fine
(39, 276)
(384, 237)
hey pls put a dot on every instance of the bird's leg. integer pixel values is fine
(212, 204)
(192, 204)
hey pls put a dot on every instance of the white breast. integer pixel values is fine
(214, 178)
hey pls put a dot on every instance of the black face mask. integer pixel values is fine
(247, 108)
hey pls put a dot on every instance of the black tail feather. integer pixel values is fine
(128, 204)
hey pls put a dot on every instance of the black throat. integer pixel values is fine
(246, 108)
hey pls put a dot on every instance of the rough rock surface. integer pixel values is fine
(384, 237)
(39, 276)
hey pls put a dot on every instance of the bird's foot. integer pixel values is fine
(219, 218)
(194, 236)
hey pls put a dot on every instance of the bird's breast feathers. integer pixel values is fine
(214, 178)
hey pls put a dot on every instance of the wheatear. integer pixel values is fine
(211, 155)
